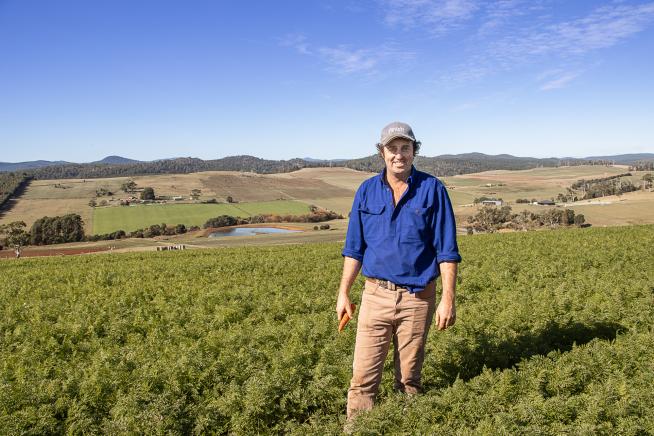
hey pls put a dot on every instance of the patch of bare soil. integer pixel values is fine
(38, 252)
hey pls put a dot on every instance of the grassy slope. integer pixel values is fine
(109, 219)
(553, 336)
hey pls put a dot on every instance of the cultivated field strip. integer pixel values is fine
(554, 336)
(110, 219)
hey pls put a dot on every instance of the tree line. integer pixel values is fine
(10, 183)
(451, 165)
(316, 216)
(172, 166)
(445, 165)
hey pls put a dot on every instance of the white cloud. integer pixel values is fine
(506, 35)
(345, 59)
(497, 14)
(602, 28)
(557, 79)
(436, 16)
(554, 43)
(296, 41)
(466, 106)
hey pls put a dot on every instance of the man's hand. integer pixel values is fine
(446, 310)
(445, 314)
(351, 268)
(343, 305)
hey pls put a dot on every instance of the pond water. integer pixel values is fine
(249, 231)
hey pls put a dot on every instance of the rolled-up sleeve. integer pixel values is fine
(444, 227)
(355, 245)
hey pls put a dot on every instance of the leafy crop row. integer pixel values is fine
(554, 335)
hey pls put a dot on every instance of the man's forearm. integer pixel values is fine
(351, 269)
(448, 278)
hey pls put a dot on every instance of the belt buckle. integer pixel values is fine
(389, 285)
(386, 284)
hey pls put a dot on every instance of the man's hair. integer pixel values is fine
(416, 148)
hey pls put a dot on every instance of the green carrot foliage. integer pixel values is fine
(553, 335)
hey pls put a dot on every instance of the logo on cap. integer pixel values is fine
(396, 130)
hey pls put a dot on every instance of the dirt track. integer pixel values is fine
(38, 252)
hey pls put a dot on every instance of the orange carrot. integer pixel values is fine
(345, 318)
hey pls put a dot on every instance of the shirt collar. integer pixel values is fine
(382, 176)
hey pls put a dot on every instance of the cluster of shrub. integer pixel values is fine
(594, 188)
(482, 199)
(491, 218)
(526, 201)
(316, 216)
(103, 192)
(642, 165)
(162, 229)
(44, 231)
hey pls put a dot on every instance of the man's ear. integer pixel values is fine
(380, 150)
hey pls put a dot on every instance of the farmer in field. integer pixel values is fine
(402, 232)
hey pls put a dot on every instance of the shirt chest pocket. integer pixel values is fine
(372, 219)
(415, 224)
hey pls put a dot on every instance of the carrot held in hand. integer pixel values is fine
(345, 318)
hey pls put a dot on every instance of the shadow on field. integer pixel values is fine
(474, 353)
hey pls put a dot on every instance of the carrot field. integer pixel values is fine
(554, 336)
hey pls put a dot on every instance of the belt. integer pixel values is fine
(386, 284)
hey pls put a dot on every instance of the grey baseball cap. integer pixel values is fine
(394, 130)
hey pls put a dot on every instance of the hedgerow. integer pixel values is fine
(554, 335)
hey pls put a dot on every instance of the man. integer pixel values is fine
(402, 232)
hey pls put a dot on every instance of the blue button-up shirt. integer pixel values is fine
(405, 243)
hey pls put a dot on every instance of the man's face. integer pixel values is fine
(398, 156)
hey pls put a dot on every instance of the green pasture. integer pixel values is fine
(554, 335)
(129, 218)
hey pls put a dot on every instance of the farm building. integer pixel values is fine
(492, 202)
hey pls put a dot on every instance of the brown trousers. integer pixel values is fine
(384, 315)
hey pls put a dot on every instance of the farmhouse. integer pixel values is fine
(492, 202)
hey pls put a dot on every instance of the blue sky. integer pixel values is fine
(80, 80)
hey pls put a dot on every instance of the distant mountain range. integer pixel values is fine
(443, 165)
(18, 166)
(116, 160)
